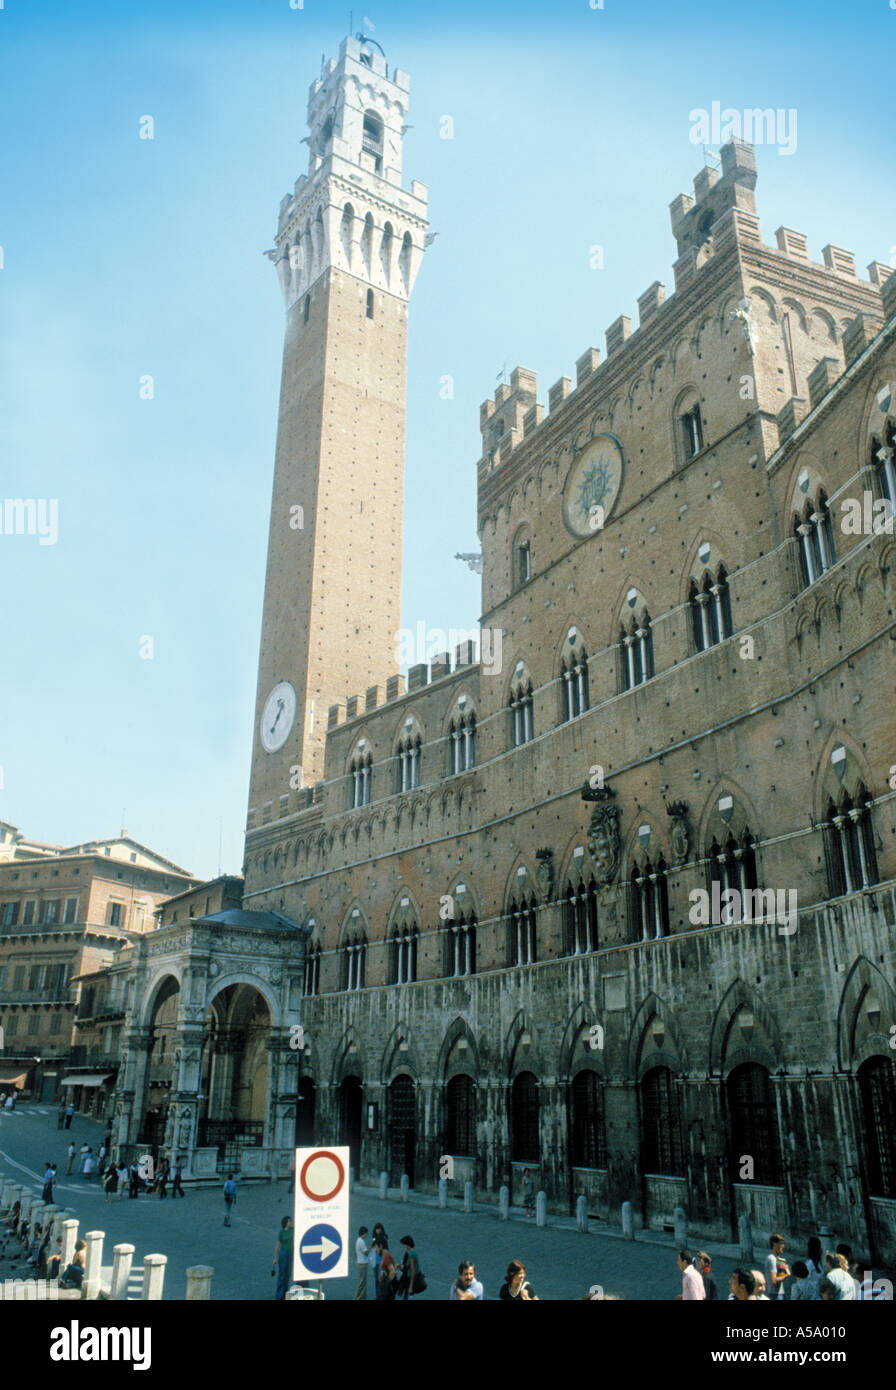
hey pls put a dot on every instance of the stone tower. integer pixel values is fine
(349, 243)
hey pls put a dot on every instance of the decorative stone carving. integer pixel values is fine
(678, 834)
(544, 874)
(603, 834)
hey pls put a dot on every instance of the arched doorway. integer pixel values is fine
(305, 1114)
(160, 1077)
(235, 1073)
(401, 1129)
(350, 1102)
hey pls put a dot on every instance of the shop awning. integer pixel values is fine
(89, 1079)
(14, 1080)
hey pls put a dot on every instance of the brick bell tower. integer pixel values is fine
(349, 244)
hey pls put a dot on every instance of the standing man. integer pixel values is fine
(704, 1265)
(691, 1281)
(776, 1267)
(362, 1259)
(177, 1189)
(229, 1198)
(69, 1115)
(282, 1262)
(71, 1159)
(466, 1286)
(49, 1179)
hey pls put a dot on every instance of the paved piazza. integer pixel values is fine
(561, 1262)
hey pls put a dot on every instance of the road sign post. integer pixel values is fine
(321, 1244)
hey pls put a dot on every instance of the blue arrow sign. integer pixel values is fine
(320, 1248)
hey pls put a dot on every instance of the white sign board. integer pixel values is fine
(321, 1214)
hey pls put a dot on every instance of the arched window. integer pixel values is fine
(690, 425)
(408, 769)
(403, 955)
(649, 900)
(733, 867)
(360, 775)
(710, 610)
(883, 463)
(372, 142)
(636, 640)
(354, 962)
(754, 1122)
(524, 1139)
(521, 932)
(586, 1121)
(460, 1116)
(580, 918)
(462, 742)
(521, 558)
(573, 679)
(661, 1148)
(849, 835)
(311, 979)
(520, 707)
(877, 1087)
(460, 945)
(816, 537)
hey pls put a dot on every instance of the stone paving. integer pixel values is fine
(562, 1263)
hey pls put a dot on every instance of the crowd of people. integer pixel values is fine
(828, 1276)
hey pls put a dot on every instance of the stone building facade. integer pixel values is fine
(616, 901)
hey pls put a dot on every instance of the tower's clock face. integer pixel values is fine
(592, 486)
(278, 717)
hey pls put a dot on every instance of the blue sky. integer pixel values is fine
(124, 257)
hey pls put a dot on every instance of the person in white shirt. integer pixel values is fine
(692, 1286)
(776, 1268)
(466, 1286)
(839, 1276)
(362, 1253)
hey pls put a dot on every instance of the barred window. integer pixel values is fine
(636, 643)
(460, 1116)
(521, 932)
(711, 610)
(354, 963)
(524, 1140)
(754, 1122)
(649, 900)
(661, 1148)
(403, 955)
(311, 978)
(587, 1127)
(733, 867)
(460, 940)
(816, 537)
(852, 861)
(877, 1087)
(580, 918)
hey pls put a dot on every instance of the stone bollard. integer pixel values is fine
(628, 1221)
(154, 1277)
(69, 1237)
(122, 1259)
(6, 1194)
(504, 1203)
(443, 1193)
(50, 1213)
(468, 1195)
(36, 1215)
(582, 1214)
(405, 1186)
(13, 1194)
(93, 1262)
(681, 1228)
(27, 1204)
(384, 1186)
(745, 1234)
(541, 1207)
(199, 1282)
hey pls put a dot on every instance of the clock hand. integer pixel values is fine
(279, 712)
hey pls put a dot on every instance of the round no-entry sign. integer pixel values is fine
(322, 1175)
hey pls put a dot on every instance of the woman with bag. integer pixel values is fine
(411, 1280)
(516, 1286)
